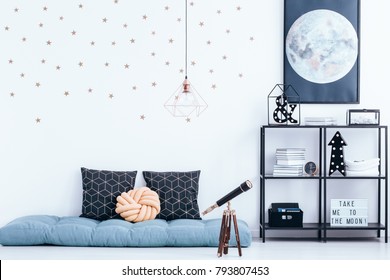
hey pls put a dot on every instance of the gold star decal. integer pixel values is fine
(38, 120)
(142, 117)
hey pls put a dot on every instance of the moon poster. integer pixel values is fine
(321, 50)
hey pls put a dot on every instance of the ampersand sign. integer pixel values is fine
(284, 111)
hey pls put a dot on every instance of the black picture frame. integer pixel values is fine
(341, 89)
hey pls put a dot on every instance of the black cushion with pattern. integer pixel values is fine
(178, 193)
(100, 190)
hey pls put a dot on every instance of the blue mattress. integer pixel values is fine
(77, 231)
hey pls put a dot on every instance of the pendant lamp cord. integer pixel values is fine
(186, 51)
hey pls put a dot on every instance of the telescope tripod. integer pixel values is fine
(224, 235)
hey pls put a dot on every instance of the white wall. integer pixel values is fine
(40, 162)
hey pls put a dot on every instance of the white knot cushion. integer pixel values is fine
(138, 205)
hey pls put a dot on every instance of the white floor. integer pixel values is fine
(272, 249)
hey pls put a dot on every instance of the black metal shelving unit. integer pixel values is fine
(321, 226)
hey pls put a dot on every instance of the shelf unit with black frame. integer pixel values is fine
(323, 180)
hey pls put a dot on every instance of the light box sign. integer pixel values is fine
(349, 212)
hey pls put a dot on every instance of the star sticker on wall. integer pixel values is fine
(170, 40)
(37, 84)
(66, 93)
(214, 86)
(193, 63)
(132, 40)
(40, 24)
(58, 67)
(134, 88)
(38, 120)
(10, 61)
(61, 18)
(142, 117)
(106, 64)
(45, 8)
(73, 32)
(127, 66)
(201, 24)
(90, 90)
(12, 94)
(48, 43)
(81, 64)
(105, 20)
(92, 43)
(211, 71)
(43, 61)
(16, 10)
(154, 84)
(113, 43)
(188, 120)
(111, 96)
(6, 28)
(208, 42)
(144, 17)
(22, 75)
(125, 25)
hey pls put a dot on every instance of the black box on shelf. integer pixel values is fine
(285, 215)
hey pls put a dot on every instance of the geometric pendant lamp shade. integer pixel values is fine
(185, 101)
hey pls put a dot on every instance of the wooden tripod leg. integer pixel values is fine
(237, 233)
(222, 235)
(227, 232)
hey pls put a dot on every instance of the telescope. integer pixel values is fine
(239, 190)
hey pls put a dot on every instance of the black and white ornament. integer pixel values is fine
(337, 154)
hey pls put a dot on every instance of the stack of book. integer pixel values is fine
(289, 162)
(320, 121)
